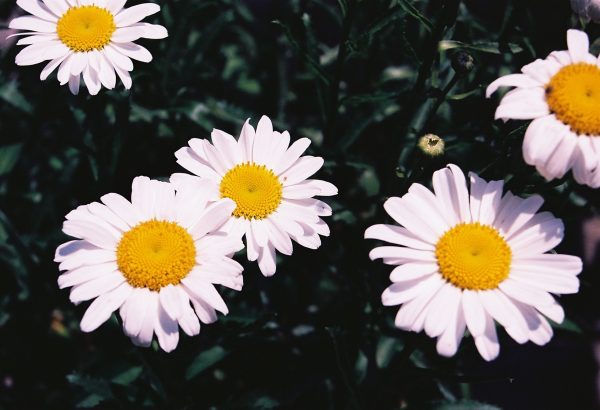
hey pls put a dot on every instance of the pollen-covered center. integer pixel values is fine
(155, 253)
(573, 95)
(255, 189)
(86, 28)
(473, 256)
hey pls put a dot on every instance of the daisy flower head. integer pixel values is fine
(93, 39)
(468, 257)
(269, 181)
(561, 94)
(156, 259)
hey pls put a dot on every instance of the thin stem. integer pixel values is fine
(334, 94)
(341, 368)
(439, 100)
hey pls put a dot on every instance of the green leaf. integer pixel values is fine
(9, 155)
(568, 325)
(313, 65)
(10, 93)
(98, 390)
(128, 376)
(461, 405)
(484, 47)
(410, 9)
(205, 360)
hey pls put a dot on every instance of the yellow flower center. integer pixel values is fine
(573, 95)
(255, 189)
(86, 28)
(473, 256)
(155, 253)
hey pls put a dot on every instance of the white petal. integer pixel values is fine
(410, 271)
(512, 80)
(398, 293)
(74, 84)
(442, 311)
(474, 313)
(213, 217)
(170, 300)
(123, 208)
(246, 141)
(397, 209)
(302, 169)
(448, 342)
(397, 235)
(189, 322)
(135, 310)
(205, 292)
(86, 273)
(291, 156)
(152, 31)
(578, 44)
(115, 6)
(134, 14)
(266, 260)
(38, 9)
(150, 305)
(117, 59)
(487, 343)
(127, 34)
(262, 141)
(134, 51)
(166, 329)
(96, 287)
(32, 23)
(100, 309)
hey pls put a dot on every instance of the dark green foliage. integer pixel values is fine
(363, 80)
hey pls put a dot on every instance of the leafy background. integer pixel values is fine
(362, 79)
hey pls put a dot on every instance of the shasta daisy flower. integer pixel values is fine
(561, 94)
(156, 259)
(267, 179)
(89, 38)
(467, 259)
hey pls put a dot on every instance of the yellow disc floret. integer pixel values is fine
(573, 95)
(155, 253)
(86, 28)
(255, 189)
(473, 256)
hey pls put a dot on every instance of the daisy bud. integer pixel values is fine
(462, 62)
(431, 145)
(587, 9)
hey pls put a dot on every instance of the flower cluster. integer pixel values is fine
(467, 254)
(158, 257)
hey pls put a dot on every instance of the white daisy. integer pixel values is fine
(466, 259)
(561, 94)
(267, 179)
(89, 38)
(150, 258)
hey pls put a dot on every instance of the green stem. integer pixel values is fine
(334, 93)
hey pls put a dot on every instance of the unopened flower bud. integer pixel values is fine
(431, 145)
(462, 62)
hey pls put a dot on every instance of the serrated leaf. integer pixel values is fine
(205, 360)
